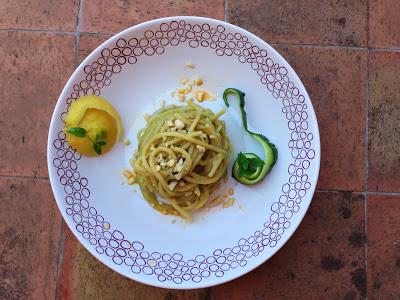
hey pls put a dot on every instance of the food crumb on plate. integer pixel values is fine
(228, 203)
(188, 91)
(106, 226)
(202, 95)
(190, 65)
(130, 176)
(184, 80)
(127, 142)
(198, 81)
(173, 221)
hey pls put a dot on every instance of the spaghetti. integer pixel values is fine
(182, 155)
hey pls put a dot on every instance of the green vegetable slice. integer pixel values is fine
(248, 167)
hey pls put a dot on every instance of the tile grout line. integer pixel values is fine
(367, 99)
(384, 193)
(55, 31)
(385, 49)
(226, 10)
(97, 33)
(60, 259)
(366, 163)
(358, 192)
(78, 33)
(368, 22)
(391, 49)
(39, 31)
(320, 46)
(77, 44)
(339, 191)
(24, 177)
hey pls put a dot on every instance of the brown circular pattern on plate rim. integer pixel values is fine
(174, 267)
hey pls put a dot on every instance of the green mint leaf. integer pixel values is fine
(240, 172)
(256, 161)
(248, 173)
(242, 161)
(99, 135)
(252, 169)
(77, 131)
(101, 143)
(97, 148)
(248, 165)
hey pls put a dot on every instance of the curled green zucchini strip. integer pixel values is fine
(248, 167)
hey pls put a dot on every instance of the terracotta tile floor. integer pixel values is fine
(347, 54)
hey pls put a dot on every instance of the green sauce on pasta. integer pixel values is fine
(182, 156)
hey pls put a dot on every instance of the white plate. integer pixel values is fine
(133, 70)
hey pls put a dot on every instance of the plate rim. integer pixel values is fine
(165, 284)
